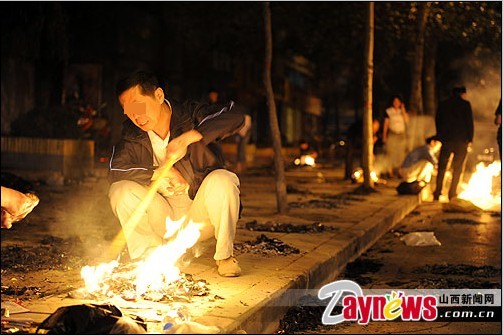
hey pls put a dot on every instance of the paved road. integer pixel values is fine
(469, 257)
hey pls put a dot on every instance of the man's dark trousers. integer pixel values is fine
(459, 149)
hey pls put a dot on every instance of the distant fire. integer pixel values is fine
(482, 190)
(305, 160)
(150, 277)
(357, 176)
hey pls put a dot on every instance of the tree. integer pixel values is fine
(281, 198)
(416, 101)
(456, 26)
(367, 152)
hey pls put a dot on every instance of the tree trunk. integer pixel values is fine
(367, 147)
(430, 99)
(416, 101)
(279, 165)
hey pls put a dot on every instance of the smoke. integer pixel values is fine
(480, 72)
(83, 210)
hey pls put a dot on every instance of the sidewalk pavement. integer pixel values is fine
(270, 284)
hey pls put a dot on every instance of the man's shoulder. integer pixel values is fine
(188, 106)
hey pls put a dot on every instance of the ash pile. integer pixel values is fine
(315, 227)
(266, 246)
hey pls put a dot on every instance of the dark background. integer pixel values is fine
(57, 56)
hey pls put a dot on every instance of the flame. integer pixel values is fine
(309, 160)
(152, 274)
(305, 160)
(93, 276)
(358, 175)
(480, 189)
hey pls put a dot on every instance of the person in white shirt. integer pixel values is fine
(394, 135)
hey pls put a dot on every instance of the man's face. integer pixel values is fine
(436, 145)
(143, 110)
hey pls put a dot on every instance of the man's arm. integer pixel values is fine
(218, 122)
(123, 165)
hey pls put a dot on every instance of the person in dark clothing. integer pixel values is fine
(497, 121)
(171, 145)
(454, 123)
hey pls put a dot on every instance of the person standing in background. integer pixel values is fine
(454, 123)
(394, 135)
(497, 121)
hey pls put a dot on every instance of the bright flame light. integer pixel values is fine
(153, 273)
(305, 160)
(93, 276)
(358, 175)
(308, 160)
(160, 267)
(479, 189)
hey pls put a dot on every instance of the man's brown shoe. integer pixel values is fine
(228, 267)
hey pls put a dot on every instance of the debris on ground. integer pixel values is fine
(315, 227)
(305, 316)
(330, 201)
(461, 221)
(315, 203)
(54, 253)
(266, 246)
(357, 270)
(460, 270)
(420, 239)
(362, 266)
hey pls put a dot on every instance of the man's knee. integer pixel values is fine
(222, 179)
(124, 191)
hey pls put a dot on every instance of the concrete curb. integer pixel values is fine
(330, 258)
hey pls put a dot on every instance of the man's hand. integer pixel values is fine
(177, 147)
(173, 184)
